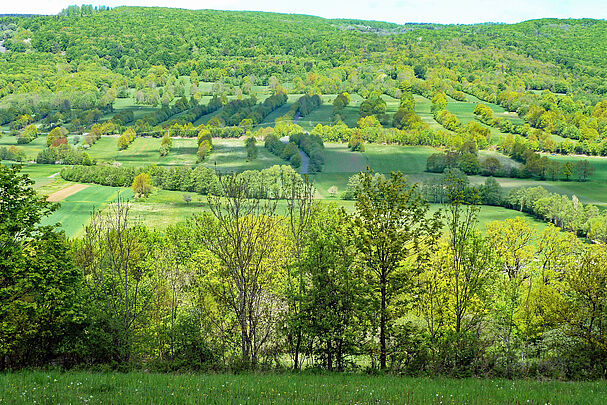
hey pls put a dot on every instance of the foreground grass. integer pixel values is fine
(134, 388)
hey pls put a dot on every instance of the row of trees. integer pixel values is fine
(239, 286)
(285, 150)
(269, 183)
(535, 165)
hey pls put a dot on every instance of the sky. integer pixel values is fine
(397, 11)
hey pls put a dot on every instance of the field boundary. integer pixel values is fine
(66, 192)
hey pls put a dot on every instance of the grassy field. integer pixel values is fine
(151, 388)
(168, 207)
(422, 108)
(164, 208)
(75, 210)
(230, 155)
(144, 151)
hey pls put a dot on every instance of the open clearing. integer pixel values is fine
(66, 192)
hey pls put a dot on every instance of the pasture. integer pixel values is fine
(75, 210)
(150, 388)
(164, 208)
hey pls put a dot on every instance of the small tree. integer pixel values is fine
(142, 185)
(54, 136)
(165, 144)
(333, 191)
(567, 170)
(584, 170)
(187, 198)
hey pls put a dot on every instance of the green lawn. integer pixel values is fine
(151, 388)
(230, 155)
(144, 151)
(498, 110)
(31, 149)
(408, 159)
(75, 211)
(339, 159)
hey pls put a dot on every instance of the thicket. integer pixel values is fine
(269, 183)
(64, 154)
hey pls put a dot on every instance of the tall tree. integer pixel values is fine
(245, 237)
(392, 225)
(37, 278)
(300, 209)
(114, 257)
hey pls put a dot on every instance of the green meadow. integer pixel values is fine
(75, 211)
(292, 388)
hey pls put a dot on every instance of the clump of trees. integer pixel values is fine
(285, 150)
(313, 146)
(339, 104)
(205, 144)
(126, 138)
(64, 154)
(535, 165)
(12, 153)
(356, 143)
(28, 134)
(142, 185)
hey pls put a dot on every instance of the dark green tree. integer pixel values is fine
(37, 279)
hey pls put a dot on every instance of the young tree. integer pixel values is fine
(567, 170)
(142, 185)
(244, 236)
(333, 309)
(53, 136)
(113, 255)
(250, 143)
(584, 170)
(165, 144)
(391, 225)
(512, 242)
(301, 213)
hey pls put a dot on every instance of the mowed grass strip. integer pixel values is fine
(66, 192)
(75, 211)
(339, 159)
(300, 388)
(145, 151)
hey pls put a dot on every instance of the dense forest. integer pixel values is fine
(396, 275)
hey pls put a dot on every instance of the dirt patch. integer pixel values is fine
(66, 192)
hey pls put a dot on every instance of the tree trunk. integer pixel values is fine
(382, 327)
(297, 349)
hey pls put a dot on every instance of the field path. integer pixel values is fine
(66, 192)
